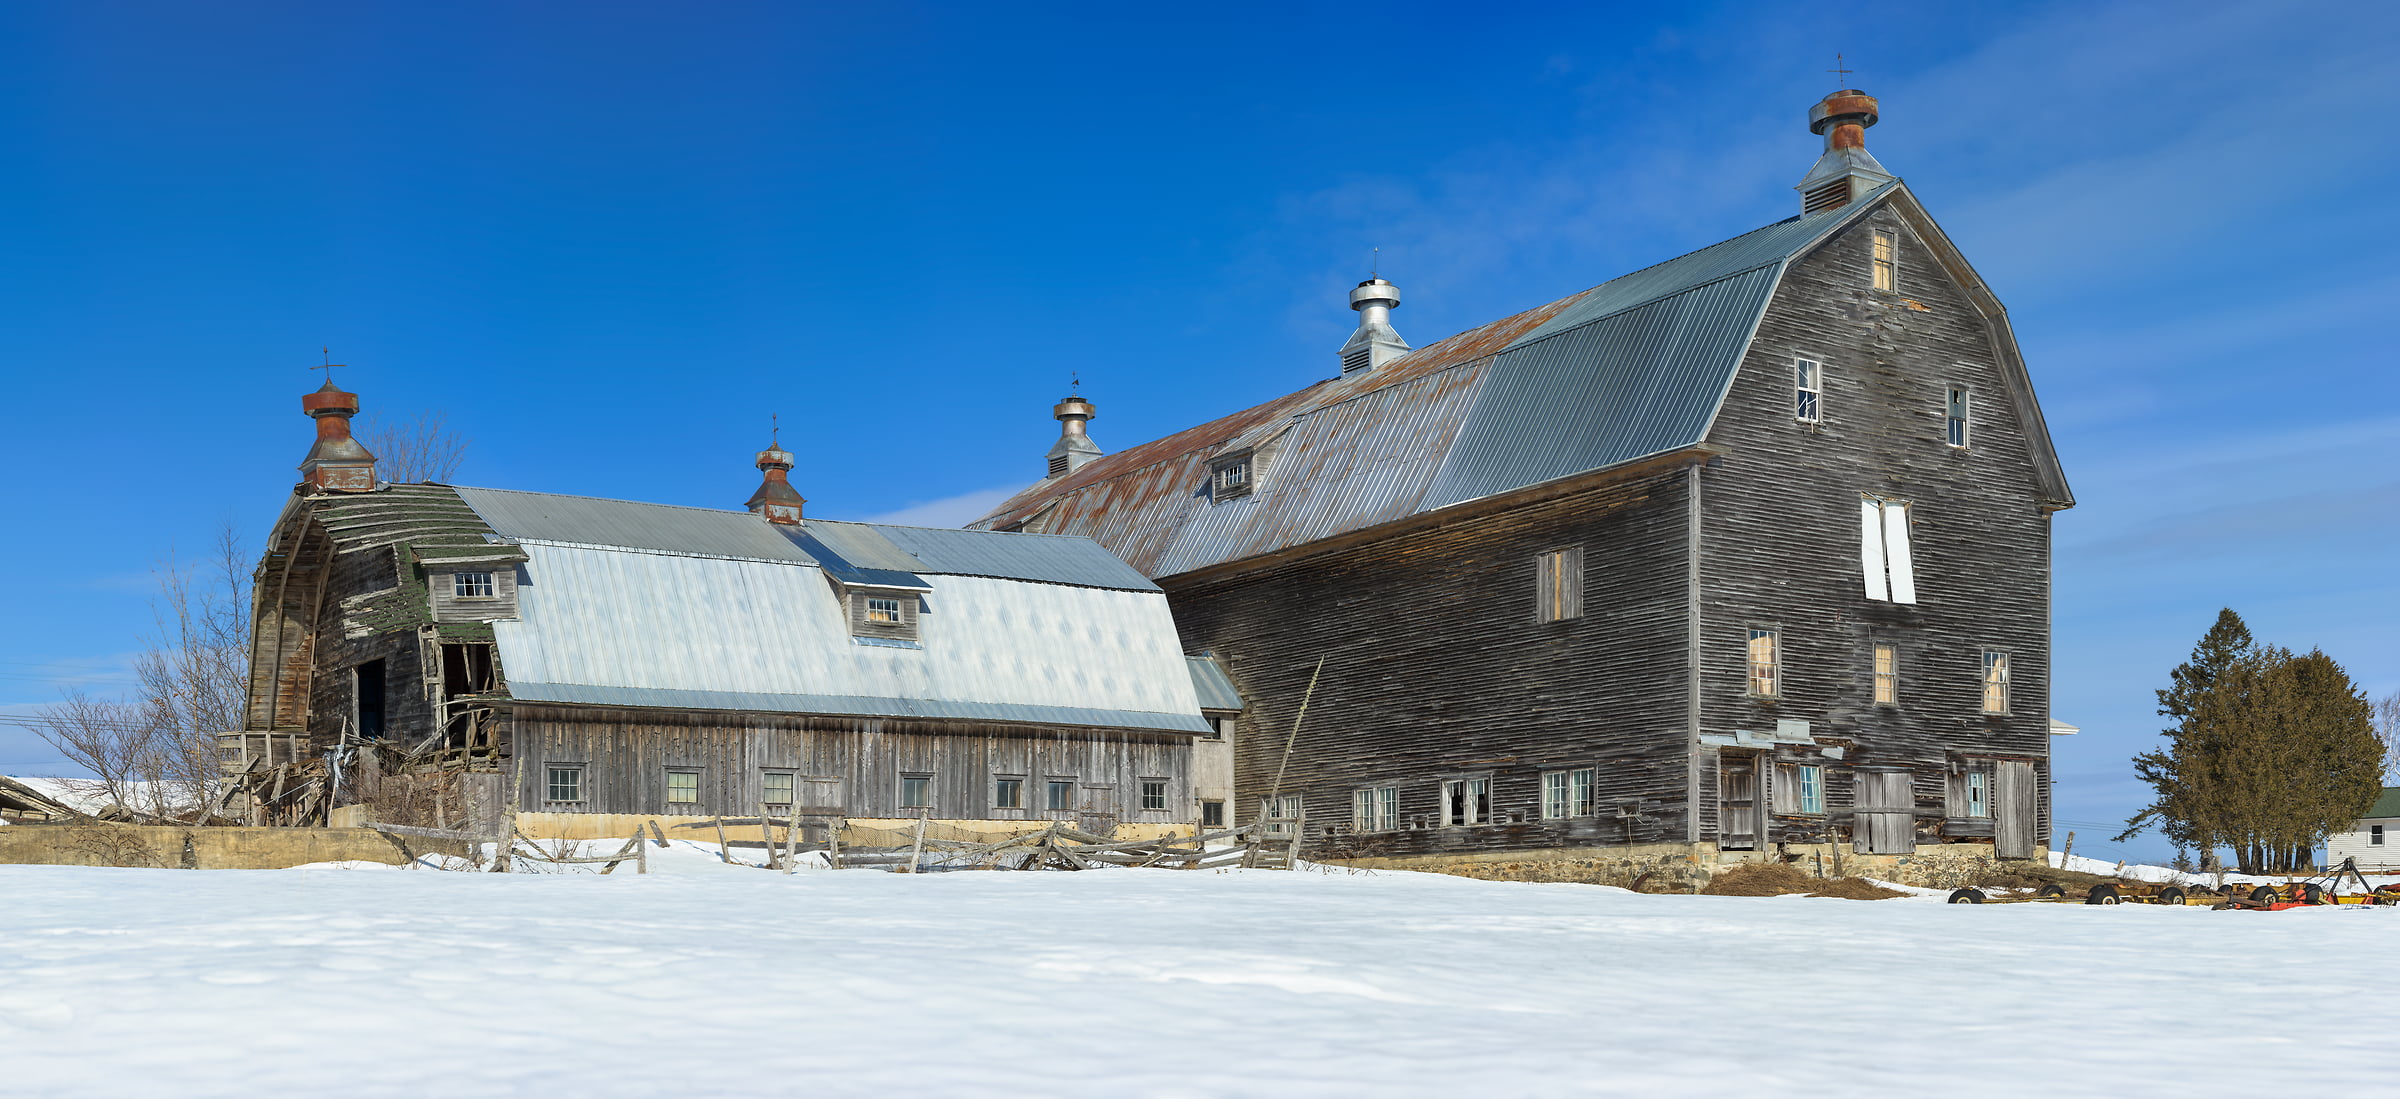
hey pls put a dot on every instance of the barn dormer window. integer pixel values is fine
(1808, 383)
(1231, 476)
(883, 616)
(472, 585)
(1886, 262)
(883, 611)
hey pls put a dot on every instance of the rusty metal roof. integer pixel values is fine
(1633, 367)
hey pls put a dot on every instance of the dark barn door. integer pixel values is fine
(1738, 822)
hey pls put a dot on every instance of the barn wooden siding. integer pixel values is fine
(371, 612)
(853, 765)
(1436, 668)
(1780, 541)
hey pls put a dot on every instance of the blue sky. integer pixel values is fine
(608, 240)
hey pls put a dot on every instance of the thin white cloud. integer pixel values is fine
(949, 511)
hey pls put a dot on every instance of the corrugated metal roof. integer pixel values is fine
(1633, 367)
(660, 528)
(1051, 559)
(606, 625)
(1214, 688)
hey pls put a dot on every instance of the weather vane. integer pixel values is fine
(328, 364)
(1374, 263)
(1074, 383)
(1839, 71)
(774, 431)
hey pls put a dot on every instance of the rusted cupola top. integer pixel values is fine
(1074, 446)
(337, 463)
(1847, 170)
(776, 500)
(1374, 343)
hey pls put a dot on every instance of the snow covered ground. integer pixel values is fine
(706, 980)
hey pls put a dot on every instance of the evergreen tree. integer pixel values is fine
(2286, 755)
(2177, 774)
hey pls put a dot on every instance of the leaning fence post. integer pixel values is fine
(918, 846)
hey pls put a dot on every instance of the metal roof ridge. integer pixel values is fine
(948, 530)
(603, 499)
(562, 544)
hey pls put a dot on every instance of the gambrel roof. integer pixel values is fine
(1633, 368)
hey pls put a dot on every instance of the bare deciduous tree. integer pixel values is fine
(2387, 728)
(156, 753)
(419, 448)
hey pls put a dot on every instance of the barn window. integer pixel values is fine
(1281, 814)
(1061, 795)
(1567, 794)
(1559, 578)
(1883, 554)
(775, 788)
(1979, 793)
(566, 783)
(1466, 801)
(1008, 792)
(1808, 380)
(471, 585)
(1954, 415)
(916, 791)
(1154, 795)
(1887, 674)
(1231, 476)
(1995, 682)
(1886, 262)
(1220, 728)
(883, 612)
(1765, 663)
(1212, 814)
(683, 787)
(1375, 809)
(1799, 789)
(1811, 788)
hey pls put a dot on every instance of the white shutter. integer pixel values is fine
(1870, 547)
(1895, 538)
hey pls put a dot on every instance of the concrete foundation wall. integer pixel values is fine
(1687, 868)
(202, 848)
(888, 832)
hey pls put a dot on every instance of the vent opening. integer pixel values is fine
(1358, 360)
(1058, 465)
(1831, 196)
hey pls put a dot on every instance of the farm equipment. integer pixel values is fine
(2323, 889)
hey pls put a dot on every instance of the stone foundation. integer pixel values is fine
(1688, 867)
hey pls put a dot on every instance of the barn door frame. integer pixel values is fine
(1735, 805)
(2016, 808)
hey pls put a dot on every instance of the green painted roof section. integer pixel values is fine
(2388, 805)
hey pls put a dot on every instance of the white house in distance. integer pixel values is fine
(2374, 841)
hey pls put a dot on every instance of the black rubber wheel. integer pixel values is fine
(1966, 896)
(2171, 895)
(2264, 895)
(2049, 890)
(2103, 893)
(2312, 893)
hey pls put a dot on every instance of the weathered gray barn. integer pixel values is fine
(1749, 548)
(612, 662)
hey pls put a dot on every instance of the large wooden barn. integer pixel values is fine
(604, 662)
(1746, 549)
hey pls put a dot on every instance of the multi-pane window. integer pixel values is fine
(1887, 673)
(1212, 814)
(1230, 477)
(1281, 813)
(1154, 795)
(1466, 801)
(775, 788)
(1979, 793)
(1954, 414)
(1060, 795)
(1567, 794)
(1559, 578)
(883, 611)
(1008, 792)
(1808, 381)
(683, 787)
(1883, 554)
(471, 585)
(916, 791)
(1811, 788)
(1765, 663)
(1886, 262)
(2375, 835)
(1995, 682)
(1375, 809)
(566, 783)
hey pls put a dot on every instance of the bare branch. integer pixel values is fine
(419, 448)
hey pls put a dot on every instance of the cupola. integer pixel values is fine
(1847, 171)
(337, 463)
(1074, 446)
(776, 500)
(1374, 344)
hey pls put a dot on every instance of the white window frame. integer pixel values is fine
(674, 773)
(1277, 814)
(883, 611)
(464, 586)
(1883, 260)
(1958, 416)
(1979, 793)
(1808, 389)
(550, 784)
(1885, 673)
(1886, 561)
(1375, 809)
(1233, 476)
(1466, 801)
(1567, 794)
(1773, 665)
(1811, 795)
(2374, 835)
(1994, 680)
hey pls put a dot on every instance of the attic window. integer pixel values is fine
(883, 611)
(1827, 197)
(471, 585)
(1954, 420)
(1808, 384)
(1886, 262)
(883, 616)
(1230, 477)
